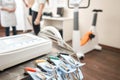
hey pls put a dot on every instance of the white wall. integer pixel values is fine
(108, 25)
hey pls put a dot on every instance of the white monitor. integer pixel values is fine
(75, 2)
(79, 3)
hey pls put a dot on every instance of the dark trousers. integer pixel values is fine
(7, 30)
(30, 11)
(36, 28)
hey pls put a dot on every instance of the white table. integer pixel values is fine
(61, 23)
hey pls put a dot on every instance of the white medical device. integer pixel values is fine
(20, 48)
(91, 44)
(53, 33)
(75, 2)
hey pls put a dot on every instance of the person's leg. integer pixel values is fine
(30, 16)
(36, 28)
(14, 30)
(7, 31)
(30, 11)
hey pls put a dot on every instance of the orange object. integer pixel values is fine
(30, 69)
(40, 60)
(85, 38)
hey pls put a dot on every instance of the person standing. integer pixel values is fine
(37, 10)
(8, 17)
(28, 4)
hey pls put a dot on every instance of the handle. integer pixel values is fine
(95, 15)
(97, 10)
